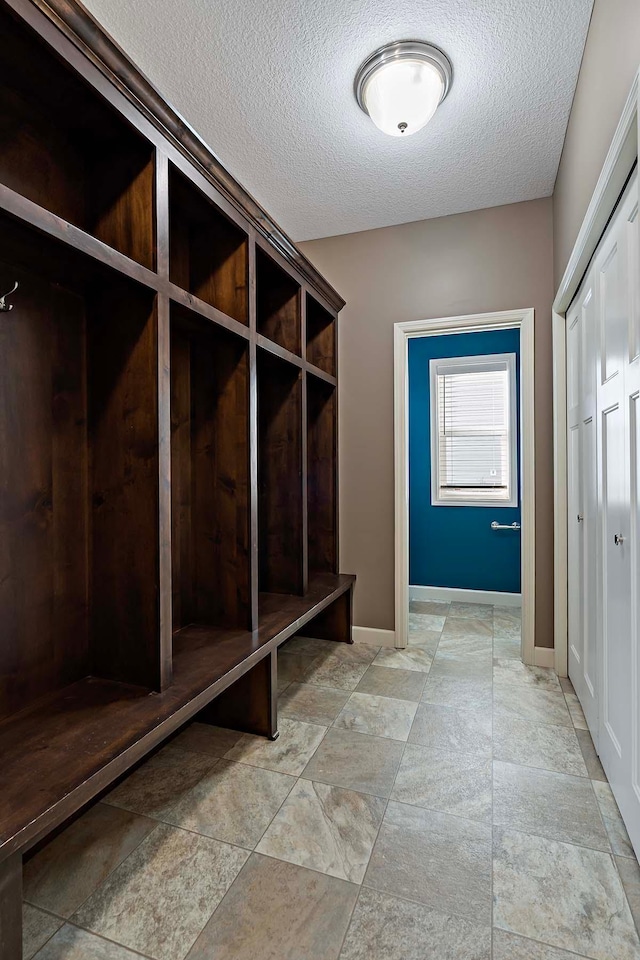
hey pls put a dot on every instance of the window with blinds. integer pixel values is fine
(473, 431)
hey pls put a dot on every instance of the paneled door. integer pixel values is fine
(616, 268)
(582, 513)
(603, 454)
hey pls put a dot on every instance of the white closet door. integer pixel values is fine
(616, 279)
(582, 499)
(626, 776)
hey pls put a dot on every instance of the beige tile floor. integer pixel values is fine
(438, 803)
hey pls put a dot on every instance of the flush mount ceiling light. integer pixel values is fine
(401, 85)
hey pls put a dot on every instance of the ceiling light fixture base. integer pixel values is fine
(402, 50)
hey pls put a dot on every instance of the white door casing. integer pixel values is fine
(522, 319)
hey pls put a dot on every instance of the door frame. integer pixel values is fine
(619, 162)
(402, 333)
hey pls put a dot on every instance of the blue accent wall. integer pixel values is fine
(455, 546)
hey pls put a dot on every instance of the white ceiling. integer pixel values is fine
(268, 85)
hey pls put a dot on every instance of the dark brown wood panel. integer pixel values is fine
(63, 148)
(251, 704)
(11, 908)
(75, 744)
(334, 623)
(280, 535)
(210, 470)
(123, 436)
(321, 476)
(43, 502)
(208, 253)
(321, 337)
(278, 304)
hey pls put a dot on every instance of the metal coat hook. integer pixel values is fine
(4, 306)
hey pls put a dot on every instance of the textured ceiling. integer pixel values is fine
(268, 85)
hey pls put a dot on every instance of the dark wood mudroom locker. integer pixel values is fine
(168, 434)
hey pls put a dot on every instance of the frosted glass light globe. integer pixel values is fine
(403, 95)
(401, 85)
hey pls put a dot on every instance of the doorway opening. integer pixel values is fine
(464, 470)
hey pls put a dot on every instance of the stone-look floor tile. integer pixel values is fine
(463, 668)
(435, 608)
(530, 703)
(282, 685)
(354, 652)
(508, 946)
(385, 928)
(567, 896)
(507, 612)
(630, 875)
(470, 627)
(307, 646)
(160, 898)
(567, 686)
(325, 828)
(538, 745)
(37, 928)
(233, 802)
(577, 715)
(70, 943)
(477, 649)
(515, 671)
(312, 704)
(155, 786)
(65, 872)
(290, 753)
(547, 804)
(506, 627)
(591, 758)
(616, 830)
(507, 649)
(458, 783)
(417, 656)
(398, 684)
(472, 611)
(292, 667)
(425, 621)
(278, 911)
(455, 691)
(206, 738)
(442, 861)
(446, 728)
(377, 716)
(356, 762)
(333, 671)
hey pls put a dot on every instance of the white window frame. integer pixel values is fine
(438, 366)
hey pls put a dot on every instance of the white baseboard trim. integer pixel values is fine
(379, 638)
(465, 596)
(545, 657)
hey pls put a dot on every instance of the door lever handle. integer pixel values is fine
(618, 539)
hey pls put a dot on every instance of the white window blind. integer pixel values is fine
(474, 424)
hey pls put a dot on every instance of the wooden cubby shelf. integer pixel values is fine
(321, 476)
(168, 434)
(65, 149)
(210, 508)
(280, 478)
(79, 516)
(278, 304)
(321, 337)
(208, 254)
